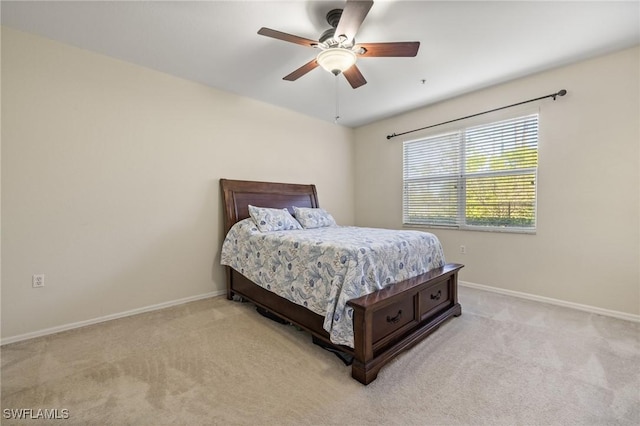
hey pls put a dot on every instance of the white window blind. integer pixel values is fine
(481, 177)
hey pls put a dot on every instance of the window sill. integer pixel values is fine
(472, 228)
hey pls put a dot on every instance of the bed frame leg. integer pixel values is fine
(229, 276)
(361, 374)
(458, 310)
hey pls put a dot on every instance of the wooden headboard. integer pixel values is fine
(238, 194)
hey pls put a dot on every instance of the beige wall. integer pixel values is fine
(110, 180)
(586, 250)
(110, 183)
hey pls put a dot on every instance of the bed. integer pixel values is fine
(383, 323)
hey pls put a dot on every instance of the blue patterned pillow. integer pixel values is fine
(273, 219)
(313, 218)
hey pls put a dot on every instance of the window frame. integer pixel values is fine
(461, 222)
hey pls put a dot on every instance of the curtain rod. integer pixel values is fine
(553, 95)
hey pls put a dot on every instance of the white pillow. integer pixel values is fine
(311, 218)
(273, 219)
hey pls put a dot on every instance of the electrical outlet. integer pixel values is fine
(463, 249)
(37, 280)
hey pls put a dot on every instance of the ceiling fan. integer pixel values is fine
(339, 50)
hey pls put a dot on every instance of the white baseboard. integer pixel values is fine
(552, 301)
(79, 324)
(543, 299)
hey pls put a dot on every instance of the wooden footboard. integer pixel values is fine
(385, 322)
(396, 318)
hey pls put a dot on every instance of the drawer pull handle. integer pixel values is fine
(437, 295)
(395, 319)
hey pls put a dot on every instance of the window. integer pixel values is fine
(481, 177)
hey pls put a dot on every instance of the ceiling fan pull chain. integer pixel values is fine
(337, 102)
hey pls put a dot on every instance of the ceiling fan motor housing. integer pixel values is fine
(328, 38)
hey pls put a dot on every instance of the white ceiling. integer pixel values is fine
(465, 46)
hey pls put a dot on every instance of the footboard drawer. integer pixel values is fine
(434, 299)
(393, 318)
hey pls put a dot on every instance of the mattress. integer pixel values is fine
(323, 268)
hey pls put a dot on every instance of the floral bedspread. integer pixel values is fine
(323, 268)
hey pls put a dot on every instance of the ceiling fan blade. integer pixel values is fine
(287, 37)
(302, 70)
(353, 14)
(354, 76)
(397, 49)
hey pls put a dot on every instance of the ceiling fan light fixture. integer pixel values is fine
(336, 60)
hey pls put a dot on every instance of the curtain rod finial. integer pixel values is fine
(392, 135)
(560, 93)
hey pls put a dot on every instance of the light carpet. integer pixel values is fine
(505, 361)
